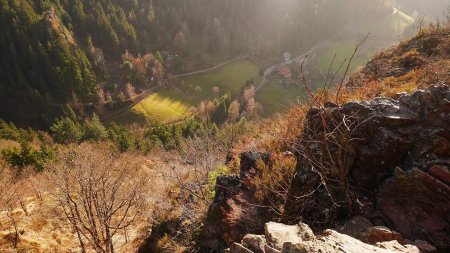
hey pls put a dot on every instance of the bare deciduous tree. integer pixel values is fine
(100, 194)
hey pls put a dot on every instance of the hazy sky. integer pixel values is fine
(430, 8)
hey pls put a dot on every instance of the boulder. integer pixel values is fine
(355, 226)
(277, 234)
(418, 205)
(377, 234)
(332, 241)
(268, 249)
(254, 242)
(300, 239)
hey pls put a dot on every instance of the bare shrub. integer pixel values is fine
(9, 198)
(100, 194)
(204, 152)
(273, 182)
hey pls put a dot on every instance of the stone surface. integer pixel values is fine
(394, 162)
(376, 234)
(440, 172)
(355, 226)
(418, 205)
(277, 234)
(424, 246)
(332, 241)
(395, 246)
(254, 242)
(293, 241)
(239, 248)
(396, 165)
(268, 249)
(234, 211)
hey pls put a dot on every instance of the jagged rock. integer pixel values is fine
(233, 212)
(255, 243)
(411, 133)
(277, 234)
(441, 173)
(268, 249)
(332, 241)
(300, 239)
(424, 246)
(239, 248)
(395, 246)
(355, 226)
(418, 205)
(377, 234)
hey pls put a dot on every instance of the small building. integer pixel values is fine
(284, 71)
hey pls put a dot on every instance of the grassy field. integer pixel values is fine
(163, 107)
(229, 78)
(343, 51)
(276, 97)
(172, 104)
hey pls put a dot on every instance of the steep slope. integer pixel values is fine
(379, 150)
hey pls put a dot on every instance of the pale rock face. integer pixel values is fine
(299, 238)
(332, 241)
(255, 243)
(277, 234)
(239, 248)
(268, 249)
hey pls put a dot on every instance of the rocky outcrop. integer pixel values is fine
(418, 205)
(385, 159)
(385, 162)
(299, 238)
(234, 211)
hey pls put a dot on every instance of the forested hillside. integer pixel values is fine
(59, 51)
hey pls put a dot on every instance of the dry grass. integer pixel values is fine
(45, 228)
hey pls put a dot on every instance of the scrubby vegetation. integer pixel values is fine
(92, 185)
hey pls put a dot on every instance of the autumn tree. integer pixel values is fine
(233, 111)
